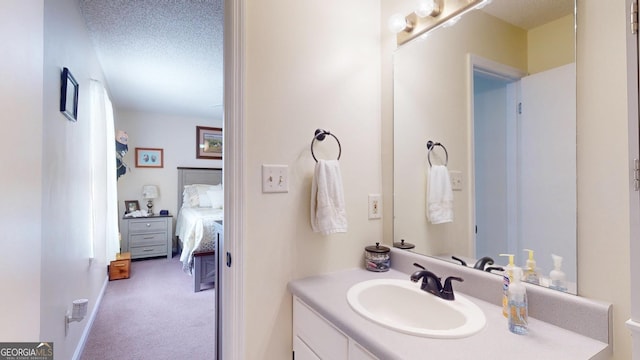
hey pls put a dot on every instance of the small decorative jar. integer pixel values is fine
(376, 258)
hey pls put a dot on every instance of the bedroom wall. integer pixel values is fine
(21, 36)
(67, 272)
(324, 73)
(176, 135)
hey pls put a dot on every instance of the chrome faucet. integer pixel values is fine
(431, 283)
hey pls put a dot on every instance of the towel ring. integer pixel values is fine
(320, 135)
(430, 146)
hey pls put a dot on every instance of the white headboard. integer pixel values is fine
(190, 175)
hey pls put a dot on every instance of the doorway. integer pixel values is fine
(524, 132)
(495, 93)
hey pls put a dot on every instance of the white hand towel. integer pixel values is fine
(328, 213)
(439, 195)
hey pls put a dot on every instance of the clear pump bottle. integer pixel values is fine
(518, 306)
(530, 270)
(507, 275)
(557, 276)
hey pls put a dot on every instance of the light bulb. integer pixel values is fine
(397, 23)
(427, 8)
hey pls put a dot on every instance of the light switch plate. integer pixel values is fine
(375, 206)
(456, 180)
(275, 178)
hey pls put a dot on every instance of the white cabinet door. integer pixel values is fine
(302, 351)
(321, 336)
(316, 338)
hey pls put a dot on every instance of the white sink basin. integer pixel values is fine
(402, 306)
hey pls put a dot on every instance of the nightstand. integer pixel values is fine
(148, 236)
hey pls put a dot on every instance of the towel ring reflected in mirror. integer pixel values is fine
(430, 146)
(320, 135)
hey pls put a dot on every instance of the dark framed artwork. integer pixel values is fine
(131, 206)
(69, 90)
(208, 143)
(149, 158)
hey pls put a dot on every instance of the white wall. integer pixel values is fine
(603, 192)
(309, 64)
(21, 158)
(67, 273)
(176, 135)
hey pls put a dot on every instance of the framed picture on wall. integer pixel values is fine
(149, 158)
(69, 89)
(208, 143)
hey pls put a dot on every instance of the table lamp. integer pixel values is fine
(150, 192)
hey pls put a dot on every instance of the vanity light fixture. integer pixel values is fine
(398, 23)
(429, 15)
(428, 8)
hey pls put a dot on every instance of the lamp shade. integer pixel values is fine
(149, 191)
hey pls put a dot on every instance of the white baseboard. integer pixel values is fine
(87, 329)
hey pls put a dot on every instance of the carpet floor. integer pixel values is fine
(155, 314)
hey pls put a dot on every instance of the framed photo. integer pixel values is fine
(208, 143)
(131, 206)
(149, 158)
(69, 95)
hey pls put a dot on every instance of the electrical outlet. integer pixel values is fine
(275, 178)
(375, 206)
(456, 180)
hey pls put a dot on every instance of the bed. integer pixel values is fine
(199, 222)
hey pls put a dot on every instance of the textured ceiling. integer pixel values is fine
(160, 55)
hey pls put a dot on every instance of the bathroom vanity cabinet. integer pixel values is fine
(315, 338)
(326, 327)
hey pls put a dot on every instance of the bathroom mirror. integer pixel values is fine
(497, 90)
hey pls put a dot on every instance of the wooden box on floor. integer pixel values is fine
(120, 267)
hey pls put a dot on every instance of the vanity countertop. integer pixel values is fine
(326, 293)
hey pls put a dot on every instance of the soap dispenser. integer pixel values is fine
(518, 307)
(557, 276)
(507, 275)
(530, 271)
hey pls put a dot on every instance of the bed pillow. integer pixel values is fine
(216, 197)
(190, 197)
(196, 195)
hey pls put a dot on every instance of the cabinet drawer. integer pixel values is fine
(148, 239)
(322, 338)
(148, 225)
(146, 251)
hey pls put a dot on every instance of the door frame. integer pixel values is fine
(231, 297)
(634, 196)
(498, 70)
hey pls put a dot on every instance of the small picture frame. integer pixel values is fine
(149, 158)
(69, 90)
(131, 206)
(208, 142)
